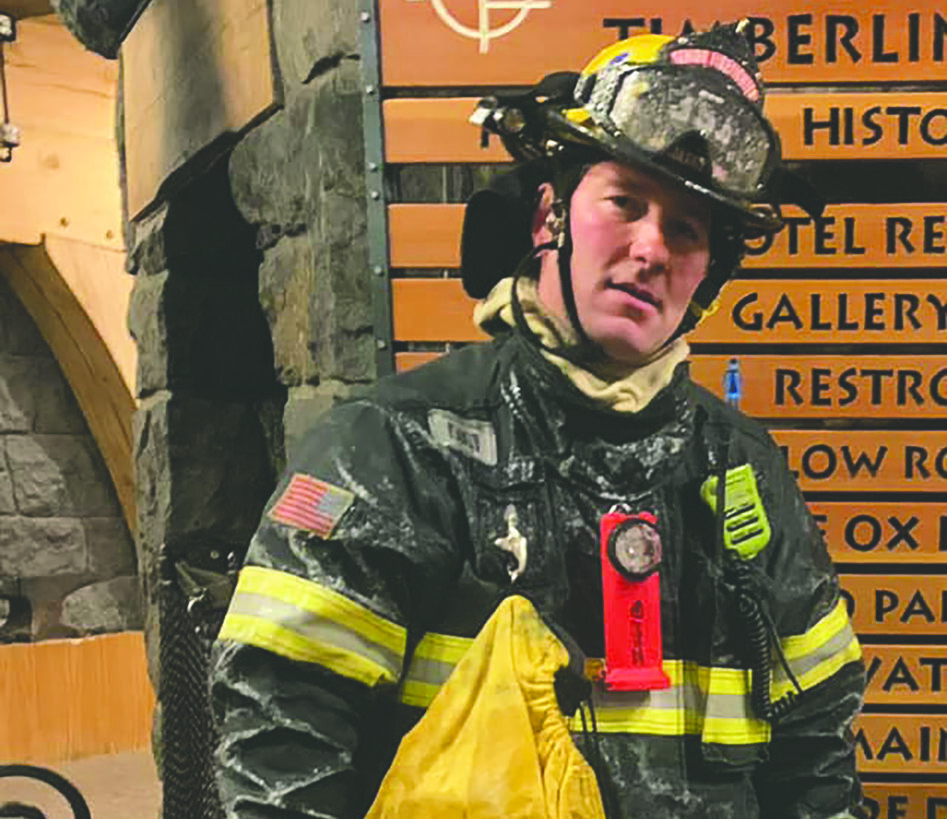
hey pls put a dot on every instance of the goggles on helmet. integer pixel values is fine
(689, 108)
(686, 120)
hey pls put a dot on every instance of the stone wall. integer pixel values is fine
(298, 178)
(67, 564)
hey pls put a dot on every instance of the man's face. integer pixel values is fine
(640, 248)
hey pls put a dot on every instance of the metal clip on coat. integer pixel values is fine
(631, 588)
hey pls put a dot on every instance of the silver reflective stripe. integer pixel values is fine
(806, 663)
(313, 628)
(434, 672)
(689, 698)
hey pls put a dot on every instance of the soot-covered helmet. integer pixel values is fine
(688, 109)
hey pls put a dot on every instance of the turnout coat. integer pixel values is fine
(381, 555)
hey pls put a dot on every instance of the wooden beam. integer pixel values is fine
(100, 390)
(192, 71)
(63, 179)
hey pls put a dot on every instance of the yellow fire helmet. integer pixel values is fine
(689, 108)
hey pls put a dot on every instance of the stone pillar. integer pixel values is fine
(205, 449)
(299, 178)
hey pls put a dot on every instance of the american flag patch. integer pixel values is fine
(311, 504)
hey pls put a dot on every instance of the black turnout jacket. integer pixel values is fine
(344, 625)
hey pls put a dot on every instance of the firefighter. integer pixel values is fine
(599, 582)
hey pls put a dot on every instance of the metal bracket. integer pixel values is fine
(374, 142)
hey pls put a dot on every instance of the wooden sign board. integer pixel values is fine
(828, 386)
(906, 675)
(810, 311)
(863, 460)
(860, 125)
(823, 311)
(487, 42)
(846, 236)
(902, 743)
(811, 126)
(897, 604)
(876, 532)
(906, 800)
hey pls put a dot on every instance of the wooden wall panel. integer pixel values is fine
(192, 71)
(66, 699)
(63, 180)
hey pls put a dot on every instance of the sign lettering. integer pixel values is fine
(905, 674)
(904, 743)
(482, 42)
(864, 460)
(872, 532)
(899, 604)
(828, 311)
(890, 236)
(908, 800)
(836, 386)
(905, 235)
(818, 125)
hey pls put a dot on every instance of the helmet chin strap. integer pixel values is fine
(558, 223)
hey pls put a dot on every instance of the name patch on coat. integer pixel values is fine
(310, 504)
(465, 435)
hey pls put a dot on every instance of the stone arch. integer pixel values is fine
(65, 549)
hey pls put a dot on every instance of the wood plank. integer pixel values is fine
(827, 386)
(811, 126)
(765, 311)
(906, 800)
(902, 743)
(864, 460)
(908, 235)
(409, 360)
(424, 235)
(85, 360)
(432, 310)
(479, 42)
(97, 278)
(897, 604)
(906, 675)
(63, 179)
(873, 531)
(192, 71)
(67, 699)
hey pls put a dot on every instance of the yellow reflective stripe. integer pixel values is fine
(432, 663)
(736, 731)
(799, 645)
(820, 672)
(713, 702)
(303, 620)
(819, 653)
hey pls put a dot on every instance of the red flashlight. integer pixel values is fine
(631, 587)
